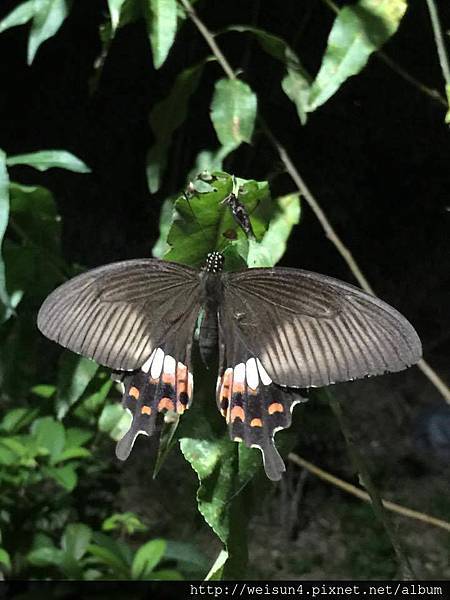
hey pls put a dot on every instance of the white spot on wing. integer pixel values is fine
(251, 371)
(169, 365)
(263, 373)
(157, 364)
(239, 373)
(146, 366)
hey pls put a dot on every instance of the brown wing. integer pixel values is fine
(119, 313)
(312, 330)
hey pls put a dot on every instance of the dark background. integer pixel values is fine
(376, 155)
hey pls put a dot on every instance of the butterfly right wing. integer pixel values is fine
(311, 330)
(120, 313)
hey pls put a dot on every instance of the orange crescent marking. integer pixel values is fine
(165, 403)
(256, 423)
(275, 407)
(237, 412)
(146, 410)
(134, 392)
(180, 408)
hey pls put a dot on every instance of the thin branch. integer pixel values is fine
(313, 203)
(209, 39)
(366, 480)
(434, 94)
(439, 39)
(359, 493)
(321, 217)
(331, 234)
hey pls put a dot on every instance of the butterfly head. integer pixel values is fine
(214, 262)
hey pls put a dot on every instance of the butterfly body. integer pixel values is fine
(277, 330)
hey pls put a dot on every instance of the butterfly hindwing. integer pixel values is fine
(117, 314)
(253, 406)
(163, 384)
(311, 330)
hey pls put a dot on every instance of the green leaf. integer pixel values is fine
(296, 86)
(357, 32)
(65, 476)
(48, 17)
(34, 218)
(76, 539)
(233, 112)
(273, 245)
(165, 118)
(6, 310)
(166, 575)
(47, 159)
(201, 223)
(161, 19)
(115, 421)
(18, 16)
(76, 437)
(49, 434)
(224, 469)
(115, 7)
(216, 570)
(165, 222)
(296, 83)
(187, 556)
(5, 558)
(17, 419)
(111, 557)
(71, 453)
(127, 521)
(45, 556)
(146, 558)
(43, 390)
(74, 375)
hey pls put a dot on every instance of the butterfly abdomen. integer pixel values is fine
(211, 297)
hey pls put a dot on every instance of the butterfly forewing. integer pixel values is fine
(119, 313)
(312, 330)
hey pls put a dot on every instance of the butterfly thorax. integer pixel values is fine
(211, 296)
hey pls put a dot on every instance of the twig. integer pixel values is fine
(342, 249)
(434, 94)
(366, 480)
(442, 53)
(209, 38)
(311, 200)
(355, 491)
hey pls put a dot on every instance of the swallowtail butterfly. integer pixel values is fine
(277, 329)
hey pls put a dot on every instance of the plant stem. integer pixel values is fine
(367, 482)
(434, 94)
(359, 493)
(209, 39)
(439, 39)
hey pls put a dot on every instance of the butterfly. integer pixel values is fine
(278, 330)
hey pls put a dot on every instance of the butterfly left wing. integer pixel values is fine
(164, 383)
(118, 314)
(136, 317)
(253, 406)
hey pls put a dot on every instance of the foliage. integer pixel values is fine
(58, 420)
